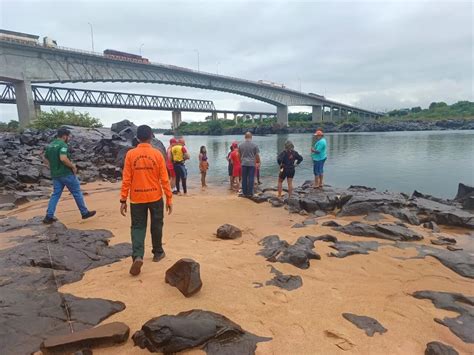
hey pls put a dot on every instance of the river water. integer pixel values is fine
(431, 162)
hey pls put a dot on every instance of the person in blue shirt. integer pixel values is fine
(319, 155)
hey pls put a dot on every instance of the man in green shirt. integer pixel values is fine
(63, 174)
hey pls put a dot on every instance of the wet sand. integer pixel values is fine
(307, 320)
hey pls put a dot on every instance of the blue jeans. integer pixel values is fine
(74, 187)
(248, 177)
(318, 167)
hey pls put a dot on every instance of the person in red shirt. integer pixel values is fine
(145, 181)
(236, 166)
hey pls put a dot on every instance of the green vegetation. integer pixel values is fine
(58, 118)
(436, 111)
(11, 126)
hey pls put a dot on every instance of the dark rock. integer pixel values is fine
(120, 126)
(373, 217)
(352, 248)
(288, 282)
(437, 348)
(465, 196)
(298, 225)
(45, 257)
(103, 335)
(228, 231)
(213, 332)
(299, 254)
(260, 198)
(28, 174)
(443, 241)
(7, 206)
(276, 202)
(382, 231)
(432, 198)
(331, 224)
(370, 325)
(461, 262)
(185, 276)
(453, 248)
(463, 324)
(319, 213)
(432, 225)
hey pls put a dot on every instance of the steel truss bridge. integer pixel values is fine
(58, 96)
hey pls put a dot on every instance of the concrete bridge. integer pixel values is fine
(24, 64)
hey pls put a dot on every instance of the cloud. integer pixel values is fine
(376, 54)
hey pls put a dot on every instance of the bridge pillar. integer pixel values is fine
(176, 116)
(214, 116)
(331, 113)
(317, 115)
(24, 103)
(225, 115)
(282, 115)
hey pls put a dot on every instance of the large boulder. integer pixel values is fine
(185, 276)
(465, 196)
(387, 231)
(228, 231)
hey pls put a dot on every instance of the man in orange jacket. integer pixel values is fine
(145, 178)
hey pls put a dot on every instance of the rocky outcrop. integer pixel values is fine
(394, 232)
(185, 276)
(97, 152)
(101, 336)
(370, 325)
(210, 331)
(287, 282)
(465, 196)
(299, 254)
(463, 324)
(365, 201)
(437, 348)
(459, 261)
(45, 258)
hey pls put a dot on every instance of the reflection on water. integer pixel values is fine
(432, 162)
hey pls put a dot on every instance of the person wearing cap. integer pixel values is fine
(145, 181)
(319, 155)
(287, 160)
(63, 173)
(169, 165)
(234, 157)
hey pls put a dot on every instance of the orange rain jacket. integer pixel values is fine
(145, 176)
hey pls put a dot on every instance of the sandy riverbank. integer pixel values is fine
(304, 321)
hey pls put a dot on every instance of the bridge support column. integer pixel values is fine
(317, 115)
(282, 115)
(24, 103)
(176, 116)
(225, 115)
(331, 113)
(214, 116)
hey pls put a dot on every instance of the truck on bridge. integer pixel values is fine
(27, 38)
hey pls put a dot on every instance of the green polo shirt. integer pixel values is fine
(53, 151)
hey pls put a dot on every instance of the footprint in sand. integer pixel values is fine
(281, 296)
(340, 340)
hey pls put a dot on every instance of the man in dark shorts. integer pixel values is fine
(63, 174)
(286, 160)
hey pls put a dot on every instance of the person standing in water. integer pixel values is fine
(319, 155)
(169, 165)
(63, 173)
(179, 155)
(236, 167)
(286, 160)
(145, 181)
(230, 168)
(203, 165)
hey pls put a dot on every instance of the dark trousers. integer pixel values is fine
(139, 214)
(248, 177)
(181, 176)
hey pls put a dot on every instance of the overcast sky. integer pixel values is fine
(378, 55)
